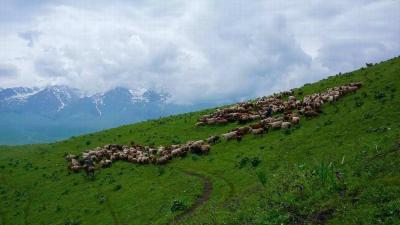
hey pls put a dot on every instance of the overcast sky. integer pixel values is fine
(205, 50)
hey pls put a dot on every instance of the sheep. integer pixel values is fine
(163, 160)
(198, 124)
(143, 160)
(205, 148)
(160, 150)
(285, 125)
(222, 121)
(295, 120)
(195, 147)
(178, 152)
(229, 136)
(105, 163)
(257, 131)
(69, 157)
(255, 117)
(311, 113)
(211, 121)
(75, 168)
(257, 126)
(243, 130)
(213, 139)
(276, 124)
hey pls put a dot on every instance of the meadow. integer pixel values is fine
(339, 168)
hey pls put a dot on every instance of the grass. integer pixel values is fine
(339, 168)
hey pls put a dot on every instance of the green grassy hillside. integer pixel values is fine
(339, 168)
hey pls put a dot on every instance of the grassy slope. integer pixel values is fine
(357, 137)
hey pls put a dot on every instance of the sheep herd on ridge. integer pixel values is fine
(287, 113)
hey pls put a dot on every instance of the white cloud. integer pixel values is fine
(196, 50)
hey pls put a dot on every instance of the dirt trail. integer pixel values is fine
(109, 207)
(207, 189)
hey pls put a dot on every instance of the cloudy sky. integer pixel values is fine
(205, 50)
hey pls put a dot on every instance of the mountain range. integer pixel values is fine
(33, 115)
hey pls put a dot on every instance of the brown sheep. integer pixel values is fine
(205, 148)
(229, 136)
(243, 130)
(178, 152)
(257, 131)
(213, 139)
(311, 113)
(276, 125)
(295, 120)
(255, 117)
(257, 126)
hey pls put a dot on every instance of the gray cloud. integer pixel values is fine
(197, 50)
(8, 70)
(29, 36)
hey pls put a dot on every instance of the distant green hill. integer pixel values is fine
(339, 168)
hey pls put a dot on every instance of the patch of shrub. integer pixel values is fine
(377, 130)
(359, 103)
(58, 208)
(380, 95)
(88, 142)
(177, 206)
(102, 199)
(262, 177)
(117, 187)
(255, 161)
(368, 115)
(328, 122)
(243, 162)
(71, 222)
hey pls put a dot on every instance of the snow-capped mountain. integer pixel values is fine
(60, 98)
(46, 114)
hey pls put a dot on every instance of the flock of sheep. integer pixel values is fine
(104, 156)
(260, 109)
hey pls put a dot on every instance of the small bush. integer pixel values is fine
(328, 122)
(102, 199)
(368, 115)
(380, 96)
(262, 177)
(255, 161)
(117, 187)
(243, 162)
(71, 222)
(377, 130)
(359, 103)
(88, 142)
(177, 206)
